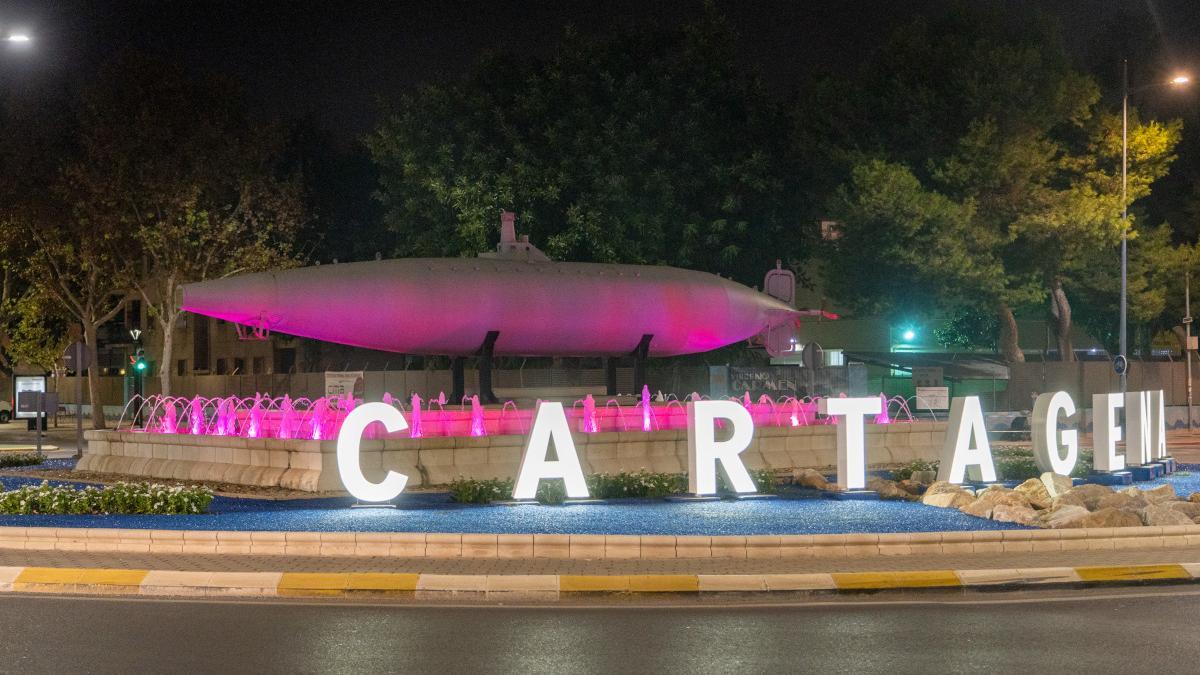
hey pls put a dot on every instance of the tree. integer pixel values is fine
(177, 161)
(1011, 131)
(904, 251)
(643, 148)
(69, 259)
(77, 264)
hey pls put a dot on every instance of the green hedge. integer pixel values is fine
(121, 498)
(638, 484)
(10, 459)
(1013, 462)
(471, 491)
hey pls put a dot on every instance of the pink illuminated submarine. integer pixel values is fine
(512, 302)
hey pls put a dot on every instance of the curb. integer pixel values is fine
(172, 583)
(592, 546)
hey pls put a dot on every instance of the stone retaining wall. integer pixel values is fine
(312, 465)
(593, 546)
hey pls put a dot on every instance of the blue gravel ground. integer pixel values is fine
(794, 512)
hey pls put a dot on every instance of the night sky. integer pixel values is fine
(335, 61)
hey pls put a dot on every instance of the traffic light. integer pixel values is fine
(139, 362)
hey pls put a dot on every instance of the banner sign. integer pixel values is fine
(344, 383)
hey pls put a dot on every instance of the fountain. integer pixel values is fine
(645, 405)
(414, 423)
(262, 416)
(477, 428)
(589, 415)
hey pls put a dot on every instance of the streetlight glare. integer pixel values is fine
(19, 37)
(1180, 80)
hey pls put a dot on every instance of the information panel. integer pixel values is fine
(25, 383)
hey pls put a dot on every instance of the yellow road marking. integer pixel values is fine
(1132, 573)
(575, 583)
(873, 580)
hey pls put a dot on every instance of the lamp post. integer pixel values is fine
(1177, 81)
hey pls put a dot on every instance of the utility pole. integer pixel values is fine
(1187, 341)
(78, 346)
(1123, 357)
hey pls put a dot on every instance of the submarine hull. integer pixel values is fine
(539, 308)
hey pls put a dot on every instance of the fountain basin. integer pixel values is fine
(311, 466)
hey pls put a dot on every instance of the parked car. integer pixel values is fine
(5, 412)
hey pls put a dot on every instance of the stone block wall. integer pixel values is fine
(311, 466)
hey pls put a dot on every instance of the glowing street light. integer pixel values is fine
(1179, 81)
(18, 37)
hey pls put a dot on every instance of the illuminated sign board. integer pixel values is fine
(965, 453)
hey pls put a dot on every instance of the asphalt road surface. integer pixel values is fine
(1148, 631)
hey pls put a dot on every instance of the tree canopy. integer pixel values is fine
(998, 128)
(647, 148)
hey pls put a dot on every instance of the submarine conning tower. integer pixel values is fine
(510, 248)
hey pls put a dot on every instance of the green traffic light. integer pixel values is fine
(140, 365)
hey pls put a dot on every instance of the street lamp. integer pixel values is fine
(1177, 81)
(18, 37)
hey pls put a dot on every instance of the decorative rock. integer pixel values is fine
(1194, 497)
(994, 491)
(1037, 493)
(1189, 509)
(938, 487)
(911, 486)
(1161, 514)
(1056, 484)
(1108, 518)
(810, 478)
(980, 508)
(1161, 493)
(924, 477)
(888, 489)
(1011, 498)
(1133, 501)
(1091, 494)
(1063, 516)
(1071, 498)
(948, 500)
(1022, 515)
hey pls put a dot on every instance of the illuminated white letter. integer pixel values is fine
(1139, 434)
(347, 453)
(1106, 433)
(1046, 411)
(966, 420)
(851, 441)
(550, 424)
(704, 451)
(1158, 425)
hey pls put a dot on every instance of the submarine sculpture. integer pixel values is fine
(511, 302)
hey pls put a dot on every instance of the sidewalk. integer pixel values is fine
(551, 579)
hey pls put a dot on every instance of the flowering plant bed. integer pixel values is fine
(121, 498)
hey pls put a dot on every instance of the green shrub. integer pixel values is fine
(637, 484)
(765, 480)
(473, 491)
(551, 491)
(1083, 467)
(905, 471)
(1014, 462)
(120, 498)
(10, 459)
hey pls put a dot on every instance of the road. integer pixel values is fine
(1127, 631)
